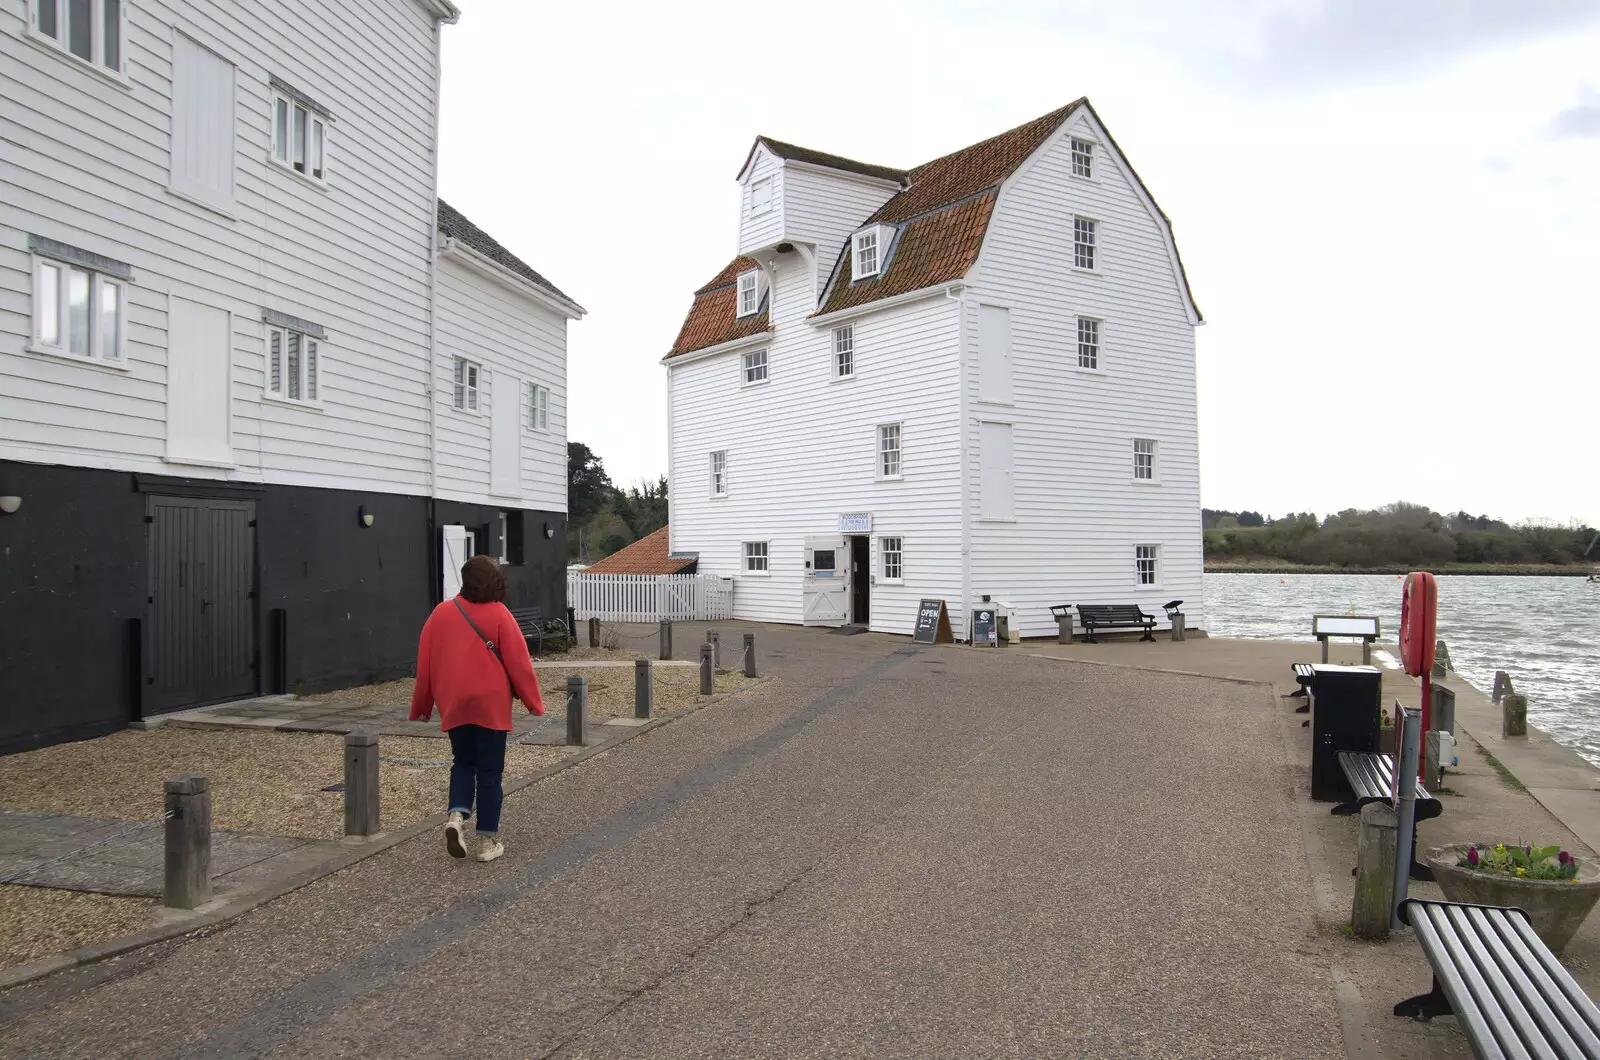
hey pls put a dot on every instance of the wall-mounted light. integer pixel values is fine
(366, 516)
(10, 503)
(549, 531)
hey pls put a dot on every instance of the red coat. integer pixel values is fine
(459, 673)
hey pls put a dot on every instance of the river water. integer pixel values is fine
(1544, 632)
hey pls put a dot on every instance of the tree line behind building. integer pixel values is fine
(601, 518)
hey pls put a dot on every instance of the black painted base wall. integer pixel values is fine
(74, 579)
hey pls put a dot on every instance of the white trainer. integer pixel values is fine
(455, 833)
(489, 848)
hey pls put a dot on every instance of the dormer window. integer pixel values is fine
(761, 196)
(749, 293)
(867, 254)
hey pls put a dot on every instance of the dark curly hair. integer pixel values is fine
(481, 580)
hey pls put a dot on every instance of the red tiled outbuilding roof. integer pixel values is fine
(648, 555)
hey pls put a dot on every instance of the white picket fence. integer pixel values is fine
(648, 597)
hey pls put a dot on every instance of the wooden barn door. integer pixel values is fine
(200, 640)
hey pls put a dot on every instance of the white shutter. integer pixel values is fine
(994, 353)
(995, 467)
(202, 123)
(505, 435)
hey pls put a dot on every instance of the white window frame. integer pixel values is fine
(97, 44)
(844, 352)
(1147, 447)
(719, 473)
(753, 362)
(756, 552)
(886, 432)
(309, 374)
(1083, 158)
(1097, 331)
(1142, 555)
(898, 577)
(757, 205)
(538, 406)
(56, 340)
(281, 150)
(1085, 249)
(869, 240)
(749, 303)
(466, 386)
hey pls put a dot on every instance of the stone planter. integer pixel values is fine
(1556, 908)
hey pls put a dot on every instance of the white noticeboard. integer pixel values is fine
(1344, 626)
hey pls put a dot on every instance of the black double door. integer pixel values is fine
(200, 635)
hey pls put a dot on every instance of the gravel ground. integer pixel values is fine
(261, 781)
(610, 689)
(37, 921)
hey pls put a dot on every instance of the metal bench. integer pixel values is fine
(1371, 778)
(1108, 616)
(1501, 982)
(1302, 674)
(533, 626)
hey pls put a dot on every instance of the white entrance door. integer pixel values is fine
(458, 548)
(826, 587)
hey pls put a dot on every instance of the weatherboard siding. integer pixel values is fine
(761, 230)
(1078, 510)
(518, 342)
(89, 166)
(802, 449)
(824, 208)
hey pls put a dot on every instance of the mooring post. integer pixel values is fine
(666, 638)
(714, 639)
(1375, 852)
(750, 655)
(1441, 659)
(594, 632)
(643, 688)
(1514, 714)
(188, 842)
(361, 790)
(707, 674)
(577, 710)
(1409, 730)
(1502, 685)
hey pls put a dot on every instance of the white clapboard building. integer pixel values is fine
(970, 379)
(260, 391)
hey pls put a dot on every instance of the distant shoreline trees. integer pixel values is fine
(1399, 534)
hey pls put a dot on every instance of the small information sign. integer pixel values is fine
(984, 633)
(933, 624)
(855, 523)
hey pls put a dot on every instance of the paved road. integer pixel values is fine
(883, 852)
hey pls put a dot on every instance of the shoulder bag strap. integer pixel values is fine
(487, 643)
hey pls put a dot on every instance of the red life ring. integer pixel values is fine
(1419, 623)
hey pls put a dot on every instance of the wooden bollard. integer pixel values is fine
(644, 691)
(714, 639)
(187, 883)
(1502, 685)
(1441, 659)
(1514, 715)
(666, 638)
(361, 790)
(594, 633)
(750, 655)
(577, 710)
(707, 674)
(1375, 852)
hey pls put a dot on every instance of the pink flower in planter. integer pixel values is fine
(1472, 855)
(1563, 857)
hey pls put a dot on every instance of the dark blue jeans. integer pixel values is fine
(480, 758)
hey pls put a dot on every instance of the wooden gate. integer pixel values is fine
(200, 640)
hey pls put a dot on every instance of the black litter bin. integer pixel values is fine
(1346, 713)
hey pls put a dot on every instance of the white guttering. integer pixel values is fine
(963, 450)
(443, 11)
(433, 273)
(852, 312)
(760, 338)
(459, 251)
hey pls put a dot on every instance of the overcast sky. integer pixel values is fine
(1390, 212)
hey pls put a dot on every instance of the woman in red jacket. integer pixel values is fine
(471, 658)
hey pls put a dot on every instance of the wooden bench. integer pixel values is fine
(532, 624)
(1302, 675)
(1108, 616)
(1357, 627)
(1501, 982)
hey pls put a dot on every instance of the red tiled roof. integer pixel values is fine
(712, 318)
(934, 249)
(648, 555)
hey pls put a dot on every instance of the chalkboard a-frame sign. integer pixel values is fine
(933, 624)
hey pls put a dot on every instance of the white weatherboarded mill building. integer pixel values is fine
(973, 378)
